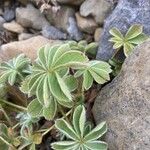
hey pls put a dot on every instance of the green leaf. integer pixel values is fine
(71, 82)
(96, 145)
(128, 48)
(66, 129)
(139, 39)
(70, 58)
(63, 87)
(118, 45)
(92, 48)
(97, 132)
(134, 31)
(116, 33)
(64, 145)
(56, 88)
(79, 118)
(35, 108)
(50, 111)
(60, 51)
(87, 80)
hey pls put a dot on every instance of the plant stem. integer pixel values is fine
(2, 139)
(49, 129)
(13, 105)
(6, 116)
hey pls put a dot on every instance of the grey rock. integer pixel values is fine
(99, 9)
(71, 2)
(30, 17)
(125, 104)
(127, 13)
(2, 21)
(61, 17)
(54, 33)
(9, 14)
(73, 30)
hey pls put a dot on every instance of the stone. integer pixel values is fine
(73, 30)
(98, 34)
(28, 47)
(125, 104)
(70, 2)
(87, 24)
(30, 17)
(126, 13)
(2, 21)
(99, 9)
(61, 18)
(13, 27)
(25, 36)
(65, 20)
(9, 14)
(54, 33)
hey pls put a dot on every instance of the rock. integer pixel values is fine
(87, 25)
(24, 2)
(30, 17)
(13, 27)
(9, 14)
(71, 2)
(125, 14)
(28, 47)
(98, 34)
(1, 11)
(99, 9)
(73, 30)
(64, 19)
(2, 21)
(25, 36)
(51, 32)
(61, 18)
(124, 104)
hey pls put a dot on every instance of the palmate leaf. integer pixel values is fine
(95, 70)
(12, 70)
(49, 70)
(79, 136)
(133, 37)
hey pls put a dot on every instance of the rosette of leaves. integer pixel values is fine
(132, 38)
(94, 71)
(79, 136)
(49, 79)
(13, 70)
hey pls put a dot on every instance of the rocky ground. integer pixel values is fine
(27, 25)
(124, 103)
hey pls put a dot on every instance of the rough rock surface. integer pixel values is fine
(30, 17)
(127, 13)
(125, 104)
(2, 21)
(71, 2)
(54, 33)
(98, 34)
(13, 27)
(99, 9)
(87, 24)
(28, 47)
(9, 14)
(65, 20)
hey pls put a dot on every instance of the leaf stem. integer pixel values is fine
(6, 116)
(2, 139)
(13, 105)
